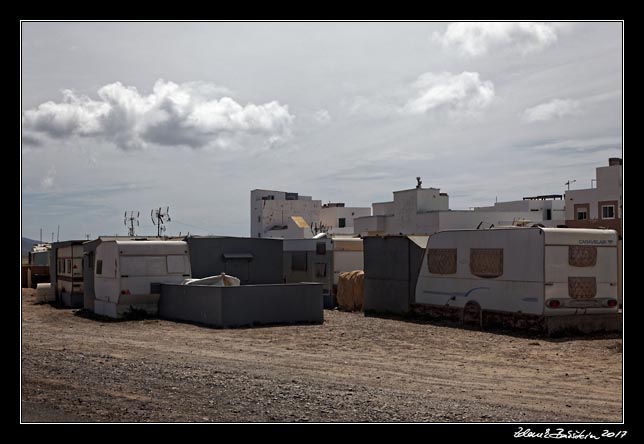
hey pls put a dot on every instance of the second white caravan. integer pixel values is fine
(551, 278)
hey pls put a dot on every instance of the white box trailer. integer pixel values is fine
(547, 278)
(125, 270)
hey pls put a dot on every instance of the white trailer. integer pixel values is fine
(348, 255)
(125, 270)
(547, 278)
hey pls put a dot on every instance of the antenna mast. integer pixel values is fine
(131, 218)
(160, 217)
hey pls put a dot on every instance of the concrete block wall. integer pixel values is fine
(244, 305)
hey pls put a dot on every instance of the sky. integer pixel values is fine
(122, 116)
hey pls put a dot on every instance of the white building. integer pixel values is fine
(424, 211)
(271, 212)
(548, 210)
(335, 218)
(599, 207)
(293, 216)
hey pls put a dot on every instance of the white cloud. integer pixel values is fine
(457, 93)
(553, 109)
(477, 39)
(47, 182)
(322, 116)
(193, 114)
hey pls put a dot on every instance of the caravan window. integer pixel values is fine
(582, 287)
(582, 256)
(99, 266)
(320, 270)
(486, 262)
(68, 265)
(298, 261)
(441, 260)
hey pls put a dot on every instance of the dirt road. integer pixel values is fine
(351, 369)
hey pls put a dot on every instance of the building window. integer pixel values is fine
(99, 266)
(441, 260)
(259, 218)
(342, 222)
(608, 211)
(582, 214)
(68, 266)
(548, 214)
(298, 261)
(486, 262)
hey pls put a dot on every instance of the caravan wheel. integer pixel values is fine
(472, 314)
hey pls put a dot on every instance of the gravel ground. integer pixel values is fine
(352, 368)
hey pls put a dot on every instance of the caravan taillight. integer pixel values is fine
(125, 292)
(553, 303)
(612, 303)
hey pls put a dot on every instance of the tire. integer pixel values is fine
(472, 314)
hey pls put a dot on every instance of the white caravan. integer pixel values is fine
(527, 276)
(124, 270)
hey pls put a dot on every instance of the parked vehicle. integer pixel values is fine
(552, 278)
(125, 269)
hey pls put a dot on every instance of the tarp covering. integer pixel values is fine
(221, 280)
(351, 290)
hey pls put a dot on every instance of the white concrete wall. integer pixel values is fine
(453, 220)
(429, 199)
(383, 208)
(538, 210)
(405, 210)
(330, 216)
(427, 223)
(515, 205)
(370, 225)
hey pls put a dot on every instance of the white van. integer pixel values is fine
(526, 276)
(124, 270)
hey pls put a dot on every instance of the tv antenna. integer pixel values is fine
(131, 218)
(160, 217)
(569, 182)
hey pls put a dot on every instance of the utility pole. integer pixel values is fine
(52, 237)
(131, 218)
(160, 217)
(41, 235)
(58, 235)
(569, 182)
